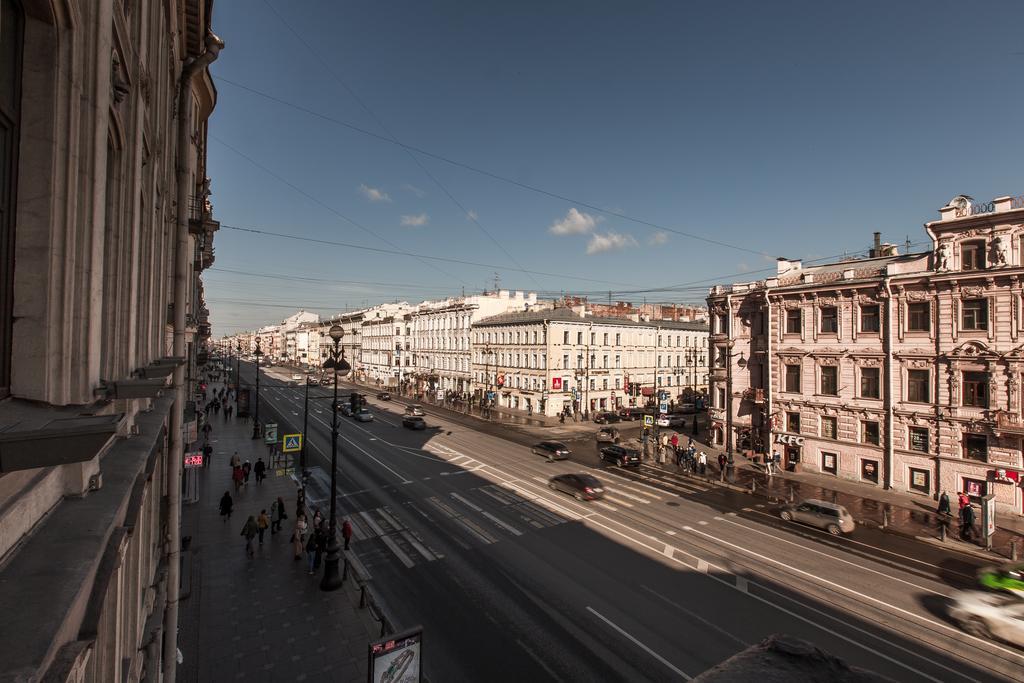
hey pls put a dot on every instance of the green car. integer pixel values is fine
(1007, 578)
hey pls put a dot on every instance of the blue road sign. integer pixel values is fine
(292, 442)
(663, 408)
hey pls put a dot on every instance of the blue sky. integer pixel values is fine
(766, 128)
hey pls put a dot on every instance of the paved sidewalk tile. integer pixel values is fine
(265, 618)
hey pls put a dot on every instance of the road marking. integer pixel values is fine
(702, 523)
(414, 542)
(636, 642)
(669, 551)
(399, 553)
(694, 615)
(606, 506)
(466, 502)
(741, 584)
(389, 519)
(620, 492)
(371, 522)
(620, 502)
(671, 532)
(507, 527)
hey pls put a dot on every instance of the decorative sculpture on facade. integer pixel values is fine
(1001, 251)
(944, 256)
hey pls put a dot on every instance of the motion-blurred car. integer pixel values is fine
(831, 517)
(416, 410)
(310, 379)
(363, 415)
(607, 435)
(580, 486)
(384, 396)
(606, 417)
(326, 380)
(297, 377)
(413, 422)
(552, 450)
(344, 408)
(672, 420)
(989, 615)
(1008, 578)
(621, 456)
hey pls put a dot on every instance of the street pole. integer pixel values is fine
(238, 376)
(332, 576)
(256, 432)
(305, 426)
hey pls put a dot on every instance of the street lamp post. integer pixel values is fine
(305, 426)
(742, 363)
(256, 431)
(238, 376)
(332, 576)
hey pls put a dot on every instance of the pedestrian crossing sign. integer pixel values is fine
(648, 420)
(292, 443)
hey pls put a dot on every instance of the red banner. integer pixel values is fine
(556, 383)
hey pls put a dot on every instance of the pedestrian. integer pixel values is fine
(944, 506)
(967, 523)
(260, 470)
(313, 548)
(237, 476)
(674, 441)
(721, 465)
(216, 407)
(246, 470)
(963, 500)
(317, 518)
(262, 522)
(702, 461)
(277, 515)
(225, 506)
(228, 410)
(206, 430)
(299, 536)
(777, 461)
(346, 532)
(769, 464)
(249, 531)
(300, 501)
(235, 461)
(207, 454)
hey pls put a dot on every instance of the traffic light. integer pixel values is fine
(353, 401)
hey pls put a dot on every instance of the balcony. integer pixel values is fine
(1009, 423)
(753, 395)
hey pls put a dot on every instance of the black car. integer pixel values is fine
(344, 408)
(552, 450)
(620, 455)
(580, 486)
(413, 422)
(606, 417)
(384, 396)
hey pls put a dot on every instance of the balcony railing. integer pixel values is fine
(1010, 423)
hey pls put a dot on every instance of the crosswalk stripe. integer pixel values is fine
(620, 502)
(466, 502)
(620, 492)
(507, 527)
(414, 542)
(399, 553)
(371, 522)
(389, 519)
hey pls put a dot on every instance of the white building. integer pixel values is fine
(385, 331)
(440, 335)
(287, 345)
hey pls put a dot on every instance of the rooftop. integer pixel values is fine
(562, 314)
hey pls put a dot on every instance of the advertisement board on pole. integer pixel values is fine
(397, 658)
(270, 433)
(242, 402)
(191, 431)
(988, 516)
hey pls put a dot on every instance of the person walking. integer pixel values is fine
(262, 522)
(317, 518)
(313, 549)
(944, 506)
(963, 500)
(235, 461)
(216, 407)
(769, 464)
(237, 476)
(967, 523)
(277, 515)
(206, 430)
(346, 532)
(260, 470)
(225, 506)
(299, 536)
(300, 501)
(246, 470)
(721, 466)
(249, 531)
(207, 454)
(702, 462)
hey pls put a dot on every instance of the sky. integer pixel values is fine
(363, 152)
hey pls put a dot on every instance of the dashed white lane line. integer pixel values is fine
(679, 672)
(619, 502)
(507, 527)
(467, 503)
(606, 506)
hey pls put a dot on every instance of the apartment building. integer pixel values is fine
(385, 355)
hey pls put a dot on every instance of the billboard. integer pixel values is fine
(397, 659)
(242, 402)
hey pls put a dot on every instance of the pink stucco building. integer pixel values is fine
(899, 370)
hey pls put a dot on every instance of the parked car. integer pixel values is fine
(621, 455)
(413, 422)
(363, 415)
(555, 450)
(833, 518)
(297, 377)
(1007, 578)
(606, 417)
(672, 420)
(416, 410)
(989, 615)
(607, 435)
(626, 415)
(384, 396)
(580, 486)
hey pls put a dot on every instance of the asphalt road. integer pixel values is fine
(665, 578)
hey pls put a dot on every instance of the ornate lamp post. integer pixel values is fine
(742, 363)
(336, 362)
(256, 431)
(238, 359)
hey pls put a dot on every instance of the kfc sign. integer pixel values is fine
(556, 383)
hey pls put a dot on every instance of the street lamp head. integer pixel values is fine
(336, 332)
(742, 362)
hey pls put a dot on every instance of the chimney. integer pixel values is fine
(876, 249)
(785, 265)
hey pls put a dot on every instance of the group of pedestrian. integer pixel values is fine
(965, 514)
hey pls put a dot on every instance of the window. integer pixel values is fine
(869, 319)
(920, 480)
(829, 427)
(618, 339)
(793, 321)
(604, 383)
(918, 439)
(565, 361)
(972, 255)
(618, 361)
(976, 447)
(593, 338)
(592, 384)
(793, 378)
(565, 337)
(605, 361)
(579, 338)
(869, 432)
(829, 462)
(918, 389)
(793, 422)
(869, 384)
(829, 320)
(975, 392)
(975, 314)
(869, 470)
(830, 380)
(606, 339)
(919, 317)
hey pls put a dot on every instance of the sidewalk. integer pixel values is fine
(265, 618)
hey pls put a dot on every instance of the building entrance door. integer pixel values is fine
(792, 457)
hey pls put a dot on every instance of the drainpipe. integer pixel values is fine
(192, 66)
(769, 388)
(728, 382)
(890, 420)
(938, 348)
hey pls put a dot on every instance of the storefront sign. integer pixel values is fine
(397, 658)
(556, 383)
(193, 460)
(789, 439)
(191, 431)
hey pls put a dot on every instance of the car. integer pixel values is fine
(989, 615)
(1008, 578)
(621, 455)
(310, 379)
(552, 450)
(326, 381)
(297, 377)
(607, 435)
(581, 486)
(687, 408)
(344, 408)
(626, 415)
(384, 396)
(662, 421)
(413, 422)
(831, 517)
(363, 415)
(416, 410)
(606, 417)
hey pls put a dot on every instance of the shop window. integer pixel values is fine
(976, 489)
(918, 439)
(793, 378)
(829, 462)
(793, 321)
(920, 480)
(869, 318)
(975, 314)
(829, 427)
(829, 320)
(919, 317)
(869, 432)
(869, 470)
(976, 447)
(793, 422)
(972, 255)
(830, 380)
(918, 386)
(869, 383)
(975, 389)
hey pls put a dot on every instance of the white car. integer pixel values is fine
(989, 615)
(297, 377)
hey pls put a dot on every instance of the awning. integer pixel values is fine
(647, 391)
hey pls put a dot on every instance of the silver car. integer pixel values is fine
(989, 615)
(831, 517)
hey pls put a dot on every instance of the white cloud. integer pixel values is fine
(472, 215)
(742, 267)
(373, 194)
(660, 237)
(609, 241)
(575, 223)
(415, 190)
(415, 221)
